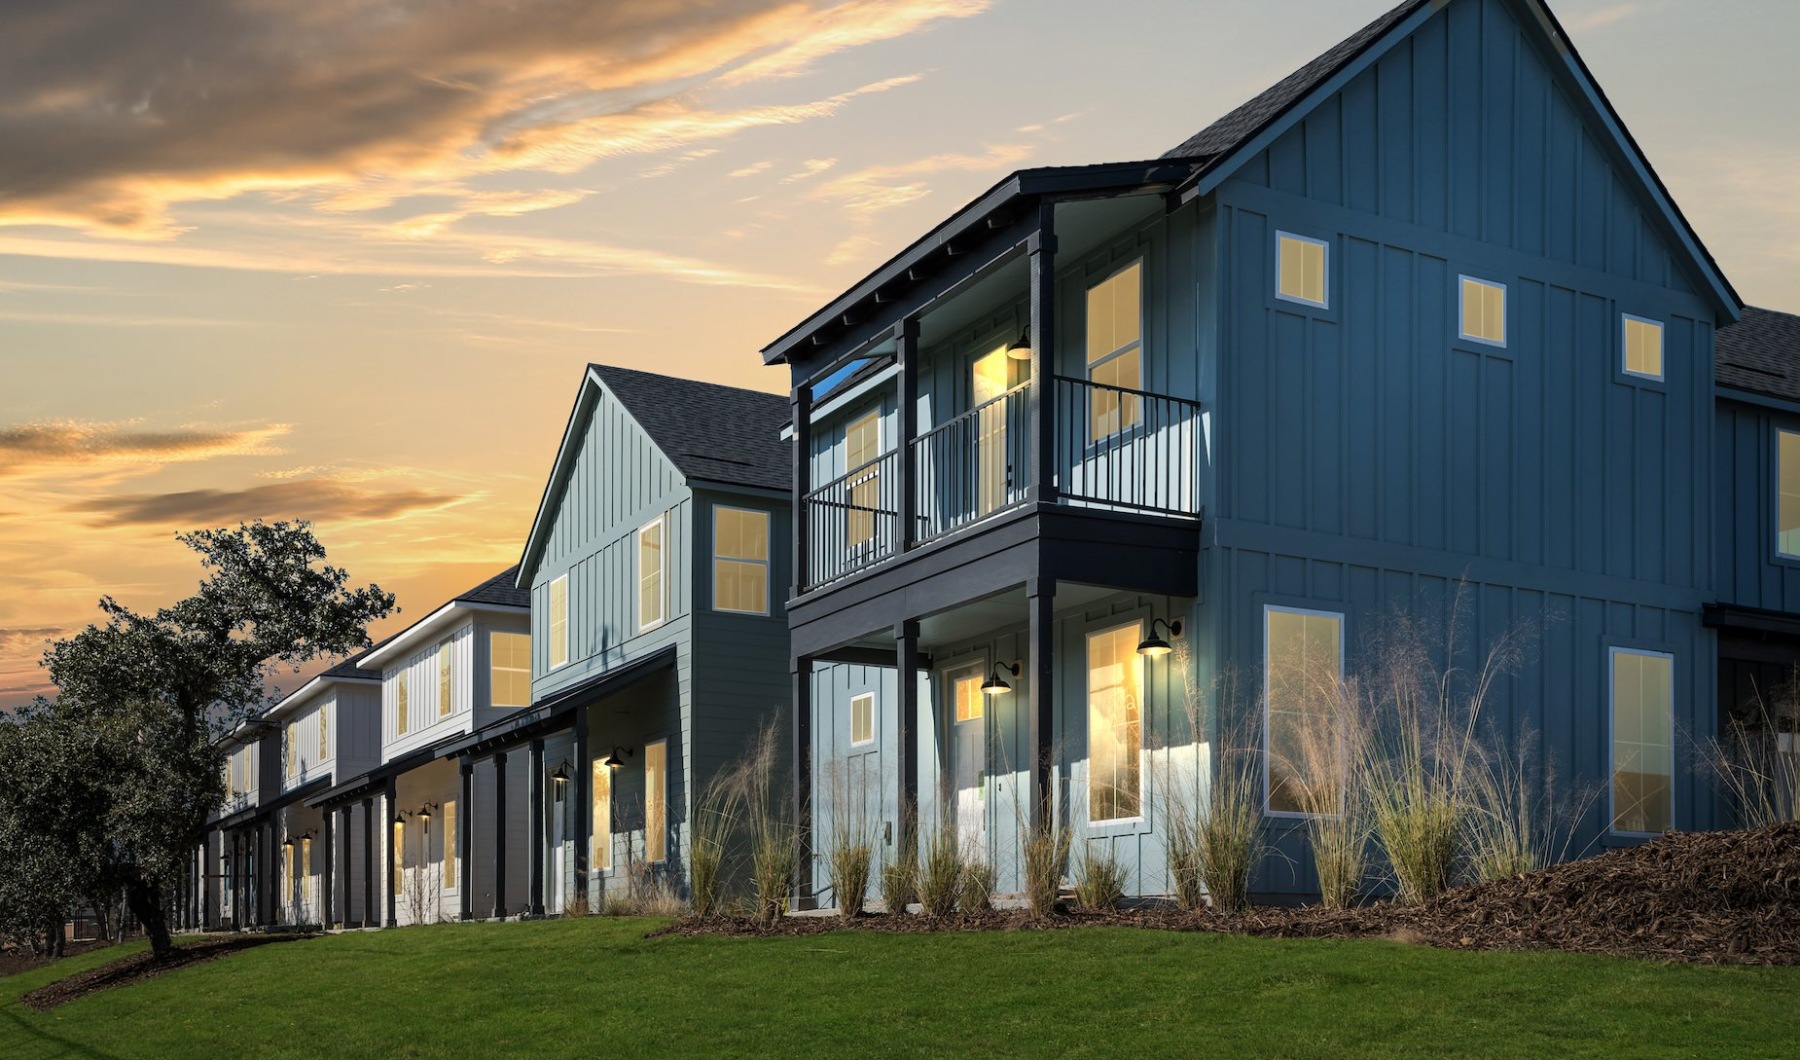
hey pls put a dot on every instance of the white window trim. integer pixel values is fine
(1775, 496)
(1119, 351)
(1326, 303)
(662, 580)
(550, 623)
(1662, 333)
(768, 560)
(1612, 812)
(854, 700)
(1343, 628)
(1087, 664)
(1505, 311)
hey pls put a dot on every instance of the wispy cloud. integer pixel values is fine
(809, 169)
(31, 446)
(884, 187)
(27, 637)
(1601, 18)
(750, 170)
(320, 499)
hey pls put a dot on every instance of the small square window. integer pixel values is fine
(862, 720)
(1301, 273)
(1643, 344)
(1484, 311)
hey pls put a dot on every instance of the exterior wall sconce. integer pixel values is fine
(1154, 646)
(424, 813)
(288, 842)
(561, 773)
(613, 761)
(1020, 350)
(996, 685)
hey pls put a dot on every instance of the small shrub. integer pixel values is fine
(940, 878)
(1099, 879)
(1046, 863)
(977, 888)
(576, 906)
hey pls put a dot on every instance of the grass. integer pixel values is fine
(576, 987)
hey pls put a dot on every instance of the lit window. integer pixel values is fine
(1115, 332)
(656, 801)
(862, 719)
(399, 854)
(444, 680)
(1643, 738)
(1305, 659)
(1643, 343)
(293, 749)
(449, 843)
(650, 574)
(400, 701)
(324, 733)
(602, 823)
(862, 447)
(509, 669)
(966, 691)
(559, 621)
(740, 561)
(1302, 269)
(1787, 541)
(287, 870)
(1115, 725)
(305, 857)
(1484, 311)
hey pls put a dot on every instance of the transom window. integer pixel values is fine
(1787, 474)
(650, 574)
(1115, 724)
(741, 561)
(1304, 652)
(1484, 311)
(1302, 269)
(862, 446)
(559, 621)
(1643, 347)
(862, 719)
(1643, 741)
(1115, 332)
(509, 682)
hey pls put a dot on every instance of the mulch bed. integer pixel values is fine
(1698, 897)
(141, 966)
(13, 961)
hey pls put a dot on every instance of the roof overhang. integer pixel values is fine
(1753, 397)
(1750, 620)
(431, 625)
(553, 711)
(307, 691)
(373, 780)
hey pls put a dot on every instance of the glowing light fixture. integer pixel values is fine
(561, 773)
(1154, 646)
(1020, 350)
(996, 685)
(613, 761)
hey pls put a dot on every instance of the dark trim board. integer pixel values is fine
(1053, 542)
(556, 711)
(1751, 620)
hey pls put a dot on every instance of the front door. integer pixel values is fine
(969, 762)
(554, 885)
(993, 374)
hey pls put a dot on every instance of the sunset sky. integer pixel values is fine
(343, 259)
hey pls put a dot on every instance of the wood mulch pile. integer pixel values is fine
(1697, 897)
(141, 966)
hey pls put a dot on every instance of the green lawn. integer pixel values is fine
(593, 987)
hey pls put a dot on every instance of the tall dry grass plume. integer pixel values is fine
(850, 848)
(900, 873)
(1211, 806)
(1099, 876)
(1756, 760)
(1330, 782)
(773, 832)
(940, 878)
(1046, 861)
(717, 813)
(1520, 819)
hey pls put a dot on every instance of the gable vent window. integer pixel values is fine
(1302, 269)
(1643, 343)
(1484, 311)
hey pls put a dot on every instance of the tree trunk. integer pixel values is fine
(145, 900)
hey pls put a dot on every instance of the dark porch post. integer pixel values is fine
(206, 890)
(343, 867)
(906, 354)
(328, 882)
(1041, 245)
(906, 661)
(802, 758)
(500, 835)
(800, 404)
(536, 808)
(580, 785)
(465, 814)
(368, 860)
(259, 877)
(1041, 602)
(390, 810)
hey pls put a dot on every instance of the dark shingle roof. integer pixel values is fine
(1761, 354)
(498, 590)
(347, 668)
(712, 433)
(1224, 135)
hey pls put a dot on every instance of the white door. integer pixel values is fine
(969, 762)
(553, 890)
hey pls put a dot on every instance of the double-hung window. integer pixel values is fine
(862, 447)
(740, 561)
(293, 749)
(559, 621)
(1115, 724)
(652, 601)
(1115, 352)
(324, 715)
(1304, 656)
(449, 844)
(1643, 741)
(509, 669)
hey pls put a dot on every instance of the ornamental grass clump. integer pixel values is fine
(1756, 762)
(774, 833)
(715, 821)
(850, 849)
(1329, 783)
(1519, 821)
(899, 876)
(1099, 878)
(977, 888)
(940, 879)
(1046, 862)
(1212, 811)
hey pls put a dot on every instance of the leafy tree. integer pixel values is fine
(143, 698)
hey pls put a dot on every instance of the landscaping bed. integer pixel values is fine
(141, 966)
(1697, 897)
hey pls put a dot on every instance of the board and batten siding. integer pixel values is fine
(356, 727)
(1750, 572)
(425, 724)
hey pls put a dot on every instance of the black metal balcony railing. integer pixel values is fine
(1112, 447)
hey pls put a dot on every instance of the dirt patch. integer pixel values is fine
(13, 961)
(1703, 898)
(140, 966)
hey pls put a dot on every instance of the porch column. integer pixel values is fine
(801, 673)
(1041, 245)
(800, 406)
(465, 879)
(1041, 602)
(391, 810)
(368, 860)
(906, 661)
(343, 871)
(579, 787)
(535, 889)
(328, 881)
(906, 355)
(205, 908)
(500, 835)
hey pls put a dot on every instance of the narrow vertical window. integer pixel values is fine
(1484, 311)
(1115, 725)
(602, 822)
(559, 621)
(399, 855)
(443, 663)
(1304, 653)
(400, 709)
(1115, 365)
(740, 561)
(287, 869)
(306, 858)
(656, 801)
(1643, 741)
(324, 732)
(293, 749)
(651, 598)
(862, 447)
(1302, 266)
(509, 671)
(1643, 347)
(862, 719)
(450, 841)
(1787, 474)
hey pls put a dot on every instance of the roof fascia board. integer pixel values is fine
(1750, 397)
(585, 397)
(737, 489)
(306, 691)
(423, 629)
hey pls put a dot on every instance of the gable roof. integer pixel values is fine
(500, 589)
(1761, 354)
(498, 593)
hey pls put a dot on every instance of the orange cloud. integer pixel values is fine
(318, 499)
(32, 446)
